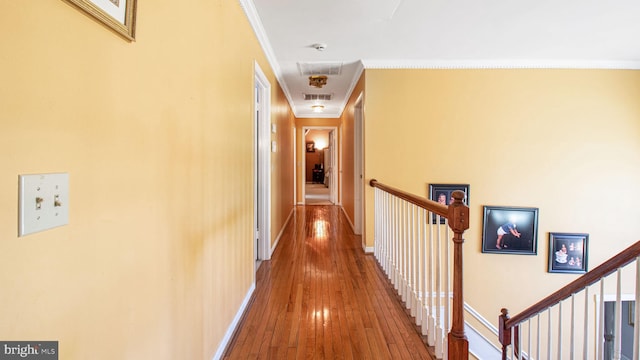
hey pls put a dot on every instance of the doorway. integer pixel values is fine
(262, 164)
(319, 166)
(625, 337)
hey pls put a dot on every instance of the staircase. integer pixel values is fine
(413, 247)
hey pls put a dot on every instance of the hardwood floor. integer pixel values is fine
(321, 297)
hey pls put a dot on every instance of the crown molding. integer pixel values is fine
(354, 82)
(501, 64)
(256, 24)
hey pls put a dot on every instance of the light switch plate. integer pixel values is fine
(44, 202)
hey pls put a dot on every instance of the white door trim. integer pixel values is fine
(262, 163)
(303, 168)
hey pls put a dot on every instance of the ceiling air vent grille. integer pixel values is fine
(317, 96)
(322, 68)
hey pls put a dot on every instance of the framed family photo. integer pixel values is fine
(442, 193)
(510, 230)
(119, 15)
(568, 253)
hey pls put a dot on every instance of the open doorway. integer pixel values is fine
(624, 320)
(319, 166)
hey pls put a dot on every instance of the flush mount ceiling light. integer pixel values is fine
(317, 108)
(317, 80)
(319, 46)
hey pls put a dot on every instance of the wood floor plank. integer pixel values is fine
(321, 297)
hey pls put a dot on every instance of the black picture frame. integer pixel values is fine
(505, 241)
(311, 146)
(568, 252)
(437, 191)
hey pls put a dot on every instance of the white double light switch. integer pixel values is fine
(44, 202)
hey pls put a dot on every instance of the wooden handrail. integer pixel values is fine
(608, 267)
(457, 214)
(434, 207)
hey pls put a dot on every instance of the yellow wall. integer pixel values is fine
(282, 181)
(347, 130)
(157, 138)
(565, 141)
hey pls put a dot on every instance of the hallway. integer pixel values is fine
(321, 297)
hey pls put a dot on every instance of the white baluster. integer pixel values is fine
(549, 334)
(636, 328)
(405, 253)
(528, 337)
(396, 243)
(419, 268)
(560, 330)
(447, 285)
(538, 337)
(617, 338)
(438, 288)
(585, 347)
(425, 272)
(414, 255)
(572, 342)
(432, 321)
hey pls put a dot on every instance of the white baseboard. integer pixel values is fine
(225, 341)
(286, 222)
(368, 249)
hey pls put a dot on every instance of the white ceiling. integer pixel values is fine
(363, 34)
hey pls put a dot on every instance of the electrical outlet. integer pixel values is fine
(44, 202)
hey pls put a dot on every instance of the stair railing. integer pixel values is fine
(546, 330)
(411, 242)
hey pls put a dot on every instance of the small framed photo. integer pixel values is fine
(442, 193)
(510, 230)
(311, 146)
(568, 253)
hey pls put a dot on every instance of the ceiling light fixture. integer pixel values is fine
(317, 108)
(319, 46)
(318, 80)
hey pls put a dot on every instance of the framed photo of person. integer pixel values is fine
(568, 253)
(510, 230)
(311, 146)
(442, 193)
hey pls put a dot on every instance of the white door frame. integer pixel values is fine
(358, 164)
(303, 169)
(295, 168)
(262, 165)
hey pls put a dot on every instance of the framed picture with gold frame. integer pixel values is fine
(119, 15)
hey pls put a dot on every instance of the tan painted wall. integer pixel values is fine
(565, 141)
(347, 148)
(282, 181)
(157, 137)
(301, 152)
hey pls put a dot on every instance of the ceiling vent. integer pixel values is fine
(320, 68)
(318, 96)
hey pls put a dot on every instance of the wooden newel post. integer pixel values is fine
(504, 334)
(458, 222)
